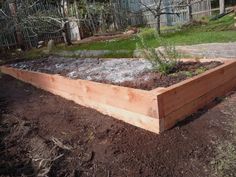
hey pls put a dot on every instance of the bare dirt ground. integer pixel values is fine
(45, 135)
(108, 36)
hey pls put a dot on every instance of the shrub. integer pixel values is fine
(148, 33)
(163, 61)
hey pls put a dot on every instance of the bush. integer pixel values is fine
(148, 33)
(163, 61)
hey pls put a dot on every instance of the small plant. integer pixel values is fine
(188, 73)
(200, 70)
(148, 33)
(224, 162)
(164, 61)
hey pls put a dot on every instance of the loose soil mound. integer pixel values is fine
(134, 73)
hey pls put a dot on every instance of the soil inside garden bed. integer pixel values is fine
(134, 73)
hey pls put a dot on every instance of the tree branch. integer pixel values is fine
(148, 8)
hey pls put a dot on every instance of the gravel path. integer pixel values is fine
(211, 50)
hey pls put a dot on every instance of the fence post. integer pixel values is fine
(190, 11)
(13, 11)
(167, 5)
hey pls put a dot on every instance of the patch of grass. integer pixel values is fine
(189, 74)
(118, 44)
(200, 70)
(221, 30)
(148, 33)
(205, 31)
(190, 37)
(128, 54)
(223, 24)
(35, 53)
(118, 55)
(224, 163)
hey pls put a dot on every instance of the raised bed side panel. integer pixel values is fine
(133, 106)
(155, 110)
(182, 99)
(192, 107)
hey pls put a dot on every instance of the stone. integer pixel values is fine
(40, 42)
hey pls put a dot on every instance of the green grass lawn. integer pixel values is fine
(205, 31)
(221, 30)
(180, 38)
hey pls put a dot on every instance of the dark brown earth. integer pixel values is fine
(182, 71)
(147, 80)
(43, 134)
(8, 57)
(108, 36)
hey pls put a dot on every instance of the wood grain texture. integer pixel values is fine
(156, 110)
(186, 110)
(122, 97)
(133, 106)
(176, 96)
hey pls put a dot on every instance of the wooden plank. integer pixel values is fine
(158, 90)
(133, 118)
(122, 97)
(174, 97)
(129, 99)
(155, 110)
(71, 91)
(186, 110)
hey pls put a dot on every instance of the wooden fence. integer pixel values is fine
(145, 17)
(122, 18)
(30, 38)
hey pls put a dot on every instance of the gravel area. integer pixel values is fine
(211, 50)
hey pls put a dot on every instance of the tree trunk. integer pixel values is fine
(158, 27)
(78, 18)
(66, 30)
(222, 6)
(66, 25)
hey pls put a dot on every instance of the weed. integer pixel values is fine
(188, 73)
(148, 33)
(224, 163)
(200, 70)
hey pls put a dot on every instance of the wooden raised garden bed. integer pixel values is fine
(156, 110)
